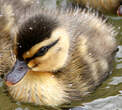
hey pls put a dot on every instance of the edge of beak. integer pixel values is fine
(17, 73)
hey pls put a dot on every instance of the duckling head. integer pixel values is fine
(41, 49)
(41, 45)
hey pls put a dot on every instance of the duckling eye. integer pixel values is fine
(42, 51)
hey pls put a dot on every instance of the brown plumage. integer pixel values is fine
(6, 54)
(106, 6)
(61, 55)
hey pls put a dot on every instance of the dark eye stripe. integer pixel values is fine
(42, 51)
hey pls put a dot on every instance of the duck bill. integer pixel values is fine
(18, 72)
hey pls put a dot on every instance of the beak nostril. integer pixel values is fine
(21, 68)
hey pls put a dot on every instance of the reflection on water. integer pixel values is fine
(116, 80)
(109, 103)
(119, 54)
(107, 97)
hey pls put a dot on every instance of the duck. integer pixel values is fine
(61, 55)
(6, 54)
(104, 6)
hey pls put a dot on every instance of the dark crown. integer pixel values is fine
(34, 30)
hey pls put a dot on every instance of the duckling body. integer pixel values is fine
(106, 6)
(61, 55)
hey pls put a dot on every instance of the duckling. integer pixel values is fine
(6, 56)
(105, 6)
(7, 21)
(61, 56)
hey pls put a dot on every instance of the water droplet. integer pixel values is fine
(30, 28)
(20, 46)
(18, 103)
(18, 108)
(108, 87)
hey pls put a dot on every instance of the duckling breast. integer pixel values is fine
(40, 89)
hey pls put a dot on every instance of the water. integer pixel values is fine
(106, 97)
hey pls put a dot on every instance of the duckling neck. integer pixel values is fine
(40, 88)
